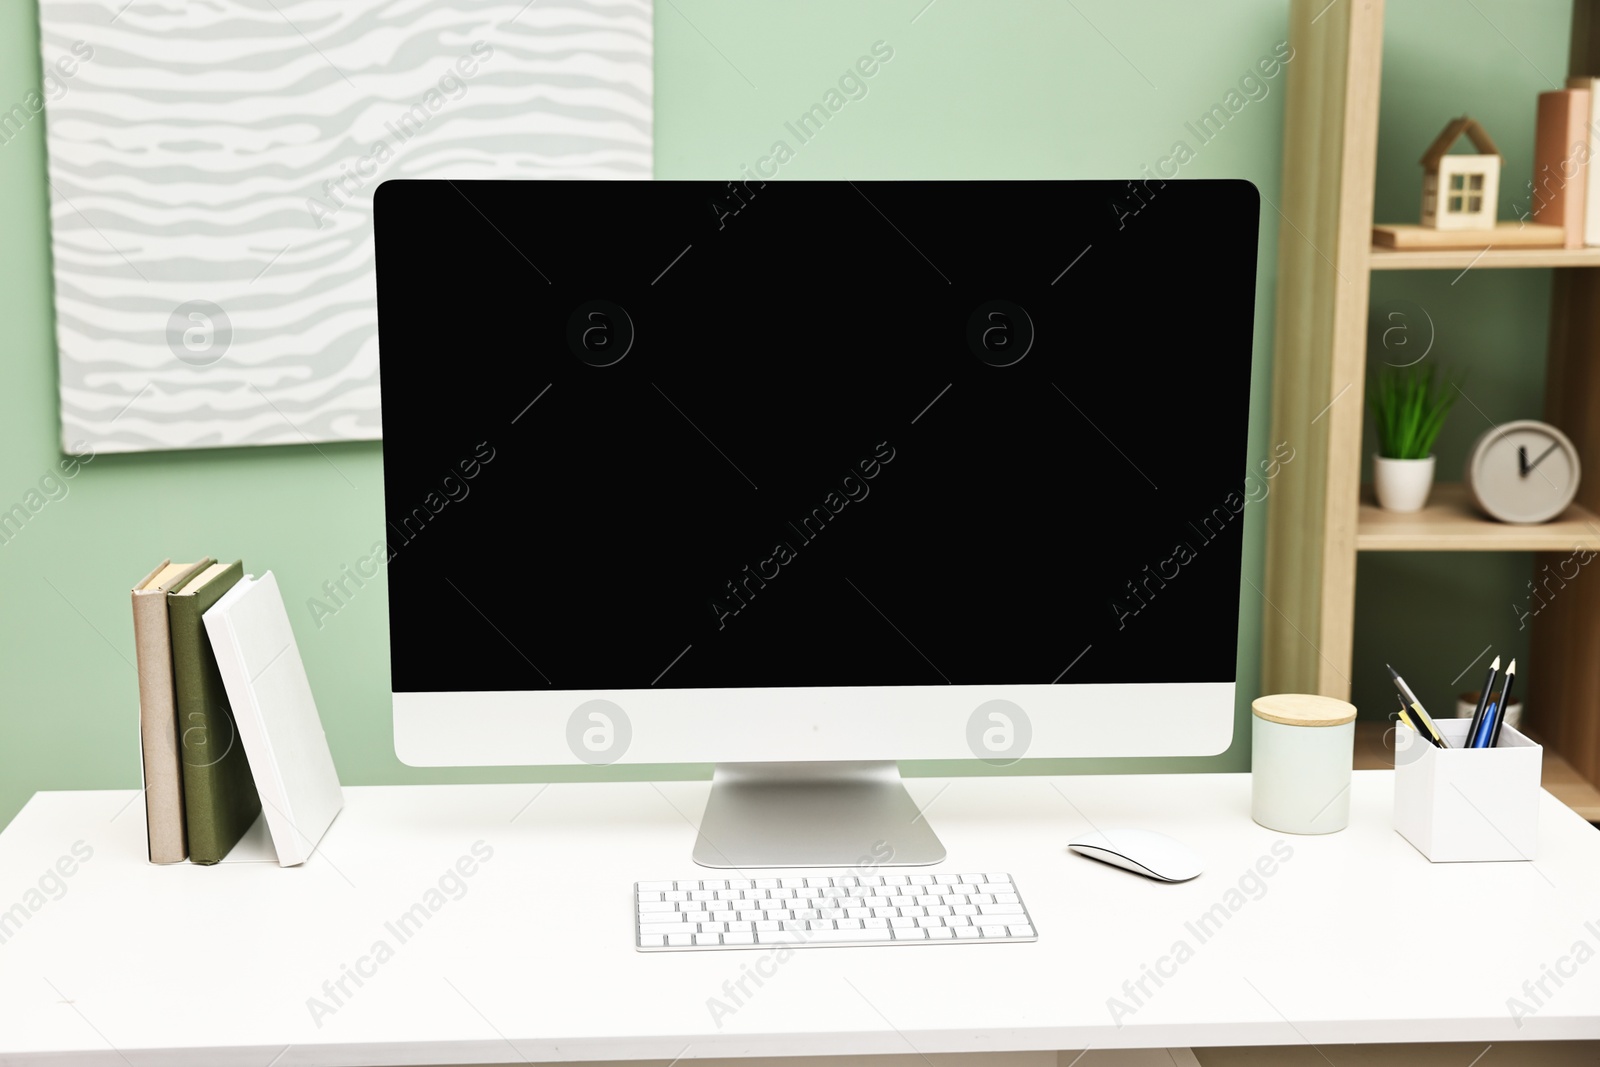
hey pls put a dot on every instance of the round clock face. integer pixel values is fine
(1523, 472)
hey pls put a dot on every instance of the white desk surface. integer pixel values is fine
(135, 964)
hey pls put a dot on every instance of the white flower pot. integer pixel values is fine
(1402, 484)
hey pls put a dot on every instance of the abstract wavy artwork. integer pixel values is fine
(212, 165)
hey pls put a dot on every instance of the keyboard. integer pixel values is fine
(823, 910)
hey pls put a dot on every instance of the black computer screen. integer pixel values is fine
(711, 434)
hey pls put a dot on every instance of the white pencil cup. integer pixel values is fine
(1461, 804)
(1302, 750)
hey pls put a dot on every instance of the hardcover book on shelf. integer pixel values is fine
(219, 797)
(1560, 162)
(1591, 218)
(277, 715)
(158, 711)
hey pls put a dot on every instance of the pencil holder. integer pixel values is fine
(1467, 804)
(1301, 751)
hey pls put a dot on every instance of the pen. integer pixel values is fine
(1483, 704)
(1421, 720)
(1505, 704)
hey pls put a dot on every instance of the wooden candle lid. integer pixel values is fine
(1302, 709)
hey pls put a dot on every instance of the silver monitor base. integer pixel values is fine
(844, 814)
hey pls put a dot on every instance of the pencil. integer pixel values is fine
(1505, 704)
(1483, 704)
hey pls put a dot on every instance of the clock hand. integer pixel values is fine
(1522, 460)
(1543, 454)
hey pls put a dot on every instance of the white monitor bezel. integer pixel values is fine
(531, 728)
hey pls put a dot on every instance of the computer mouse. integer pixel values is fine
(1143, 852)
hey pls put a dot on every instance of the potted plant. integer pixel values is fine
(1409, 405)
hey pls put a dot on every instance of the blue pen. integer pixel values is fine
(1485, 731)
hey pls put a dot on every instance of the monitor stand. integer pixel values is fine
(821, 814)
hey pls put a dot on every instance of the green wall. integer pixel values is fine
(1019, 88)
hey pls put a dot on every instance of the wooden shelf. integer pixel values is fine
(1559, 778)
(1450, 523)
(1462, 258)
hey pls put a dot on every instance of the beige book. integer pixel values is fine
(158, 711)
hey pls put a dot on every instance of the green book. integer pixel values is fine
(219, 796)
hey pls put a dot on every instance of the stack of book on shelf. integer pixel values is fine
(1559, 207)
(228, 727)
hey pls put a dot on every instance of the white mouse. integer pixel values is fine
(1143, 852)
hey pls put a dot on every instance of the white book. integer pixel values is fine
(1591, 218)
(276, 715)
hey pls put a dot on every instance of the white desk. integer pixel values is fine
(181, 965)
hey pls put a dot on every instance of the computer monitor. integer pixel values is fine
(804, 478)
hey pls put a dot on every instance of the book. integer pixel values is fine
(158, 712)
(1591, 220)
(276, 714)
(1404, 235)
(219, 797)
(1560, 162)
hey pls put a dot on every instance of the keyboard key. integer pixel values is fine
(965, 909)
(708, 939)
(676, 894)
(780, 937)
(652, 940)
(724, 916)
(875, 924)
(980, 898)
(957, 920)
(713, 883)
(767, 924)
(1020, 931)
(895, 879)
(646, 898)
(930, 920)
(655, 887)
(818, 883)
(902, 922)
(941, 933)
(873, 934)
(922, 879)
(1000, 909)
(766, 883)
(1006, 898)
(669, 929)
(994, 931)
(940, 909)
(738, 939)
(648, 906)
(793, 883)
(972, 879)
(847, 924)
(966, 933)
(655, 918)
(910, 933)
(751, 916)
(740, 883)
(702, 894)
(846, 880)
(949, 879)
(871, 879)
(858, 913)
(680, 940)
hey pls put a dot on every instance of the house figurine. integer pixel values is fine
(1460, 192)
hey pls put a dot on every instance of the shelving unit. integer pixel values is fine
(1318, 523)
